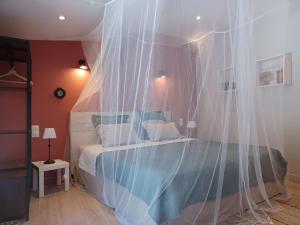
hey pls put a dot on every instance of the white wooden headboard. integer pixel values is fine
(82, 131)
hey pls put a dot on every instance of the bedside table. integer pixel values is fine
(38, 174)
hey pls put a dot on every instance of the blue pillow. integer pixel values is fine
(141, 132)
(152, 115)
(114, 119)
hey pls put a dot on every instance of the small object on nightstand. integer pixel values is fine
(38, 174)
(49, 133)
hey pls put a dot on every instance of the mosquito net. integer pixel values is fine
(180, 122)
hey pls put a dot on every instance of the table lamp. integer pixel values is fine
(191, 125)
(49, 133)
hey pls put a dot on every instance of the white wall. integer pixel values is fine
(275, 34)
(292, 95)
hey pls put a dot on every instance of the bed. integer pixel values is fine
(161, 199)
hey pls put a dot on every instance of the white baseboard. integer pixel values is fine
(293, 177)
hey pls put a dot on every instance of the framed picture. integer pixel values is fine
(228, 79)
(274, 71)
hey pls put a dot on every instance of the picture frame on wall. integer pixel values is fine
(228, 81)
(274, 71)
(270, 72)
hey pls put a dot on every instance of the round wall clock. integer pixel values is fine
(59, 93)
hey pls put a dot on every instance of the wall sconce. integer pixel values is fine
(161, 73)
(82, 64)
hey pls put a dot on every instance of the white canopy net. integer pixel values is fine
(180, 122)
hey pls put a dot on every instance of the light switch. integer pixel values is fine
(35, 131)
(180, 122)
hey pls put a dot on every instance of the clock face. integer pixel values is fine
(59, 93)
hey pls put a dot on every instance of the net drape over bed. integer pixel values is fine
(189, 124)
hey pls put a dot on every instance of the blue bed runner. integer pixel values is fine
(148, 173)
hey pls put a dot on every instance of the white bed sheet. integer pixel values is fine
(89, 153)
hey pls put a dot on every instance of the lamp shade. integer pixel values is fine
(49, 133)
(191, 124)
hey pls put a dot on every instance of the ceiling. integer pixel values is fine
(38, 19)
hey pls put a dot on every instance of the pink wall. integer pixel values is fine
(136, 85)
(54, 65)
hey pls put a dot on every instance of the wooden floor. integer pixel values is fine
(77, 207)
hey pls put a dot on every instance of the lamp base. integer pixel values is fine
(49, 161)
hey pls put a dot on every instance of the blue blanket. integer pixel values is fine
(171, 177)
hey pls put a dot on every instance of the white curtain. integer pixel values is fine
(188, 109)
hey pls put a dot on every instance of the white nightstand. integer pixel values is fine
(38, 174)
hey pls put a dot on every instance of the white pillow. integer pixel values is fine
(117, 134)
(161, 131)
